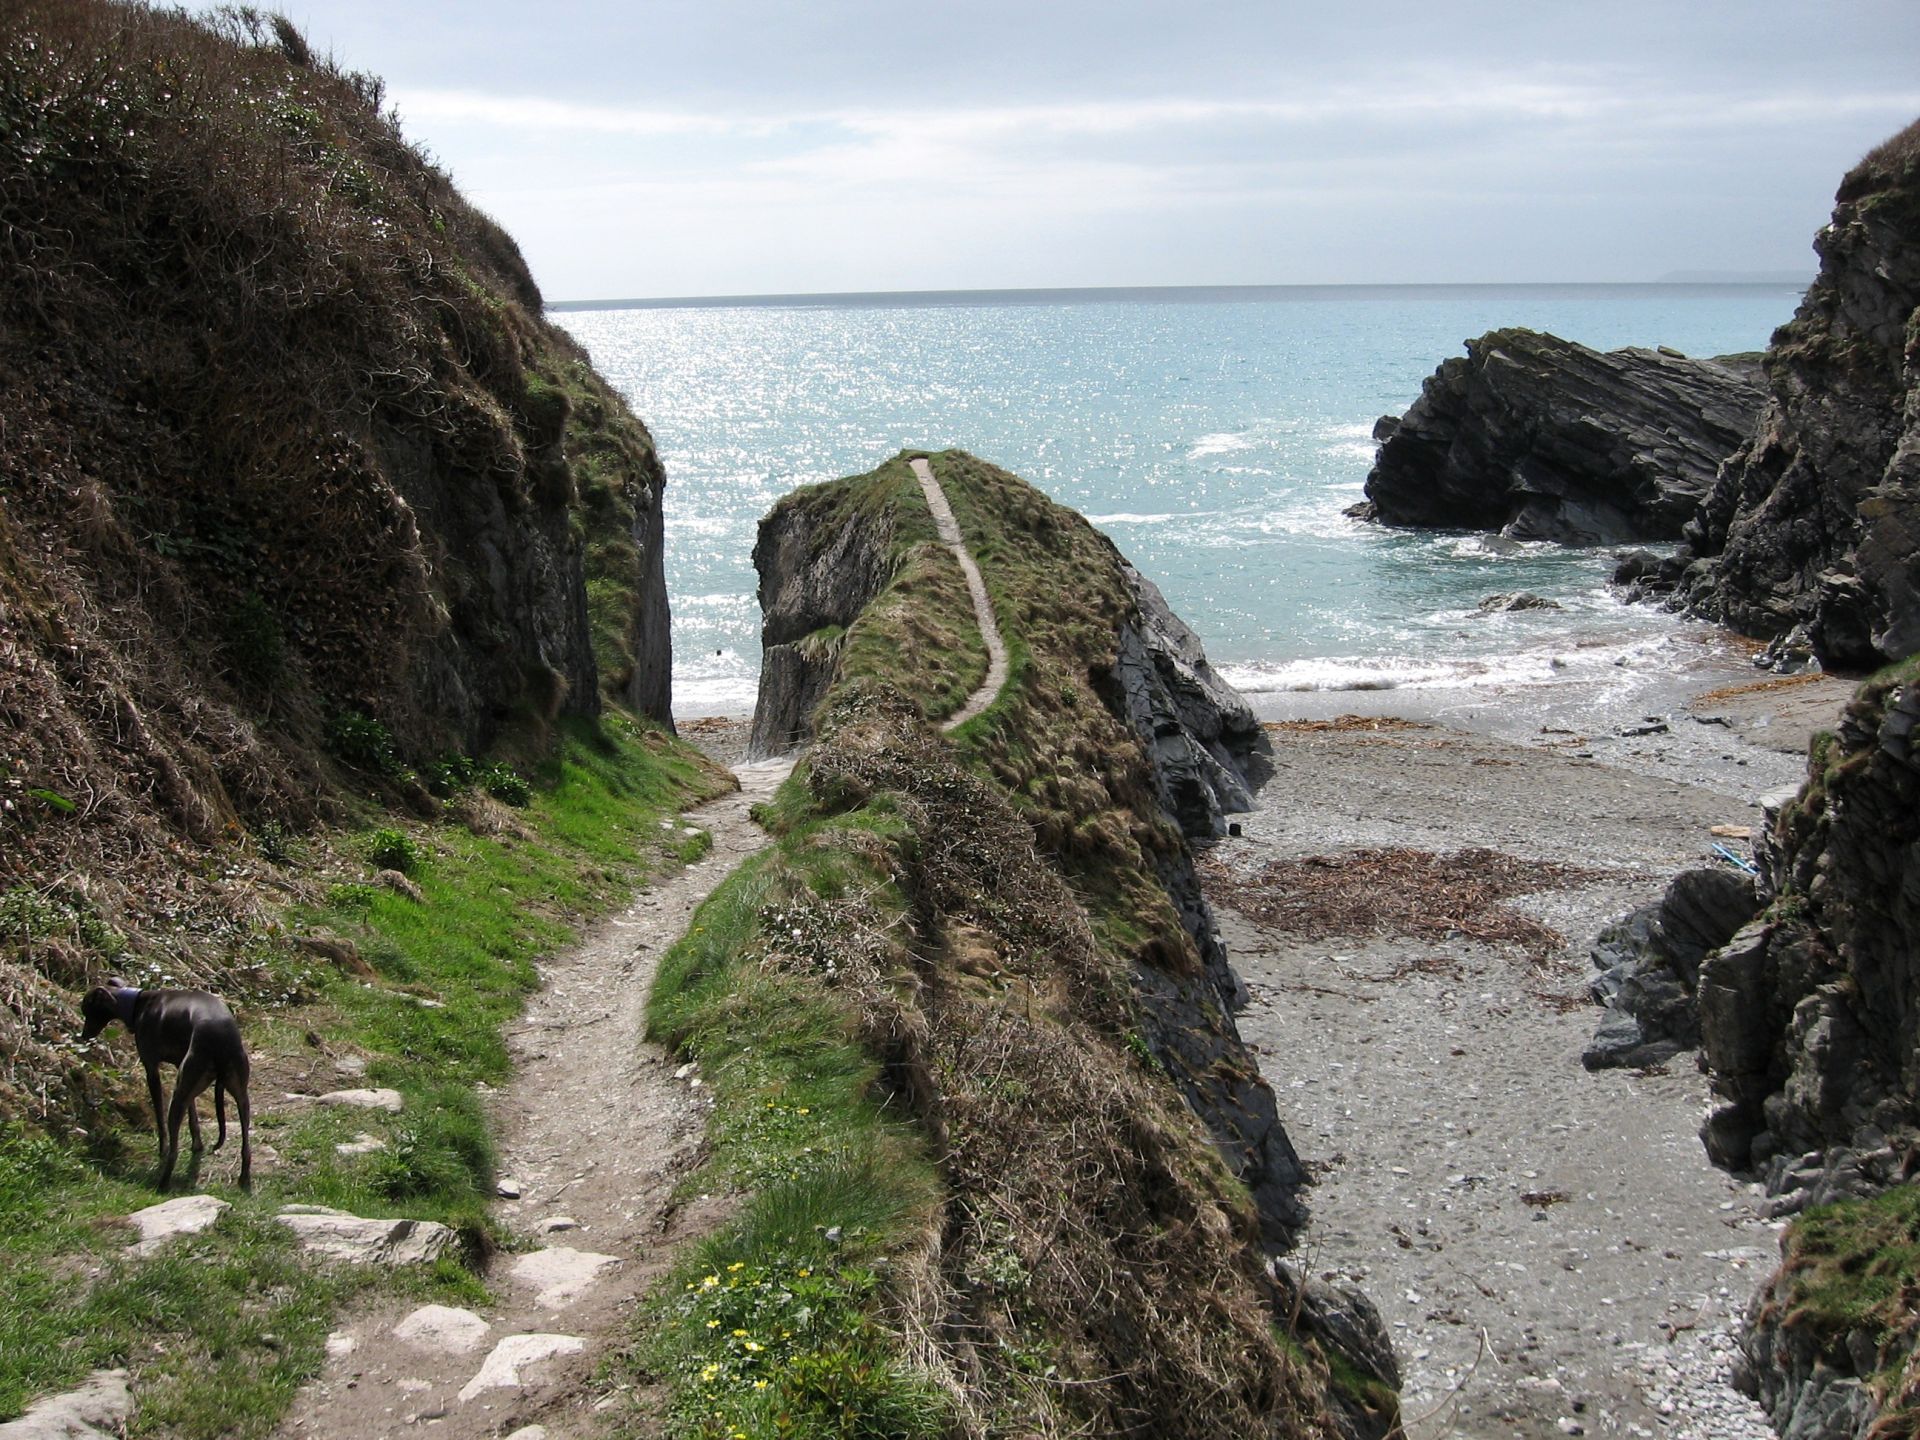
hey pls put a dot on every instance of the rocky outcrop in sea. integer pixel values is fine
(1815, 522)
(1543, 439)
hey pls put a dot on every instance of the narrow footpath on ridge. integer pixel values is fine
(949, 529)
(597, 1128)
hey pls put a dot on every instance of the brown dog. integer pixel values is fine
(195, 1031)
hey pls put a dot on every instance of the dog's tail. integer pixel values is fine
(219, 1110)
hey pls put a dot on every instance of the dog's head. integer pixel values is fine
(97, 1011)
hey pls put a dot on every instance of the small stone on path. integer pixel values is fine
(560, 1275)
(340, 1345)
(361, 1144)
(339, 1235)
(553, 1224)
(98, 1410)
(529, 1432)
(365, 1099)
(444, 1328)
(509, 1189)
(187, 1215)
(502, 1367)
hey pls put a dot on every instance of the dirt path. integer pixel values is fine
(949, 529)
(598, 1127)
(1550, 1248)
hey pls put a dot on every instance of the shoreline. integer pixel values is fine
(1550, 1249)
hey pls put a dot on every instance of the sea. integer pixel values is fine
(1218, 435)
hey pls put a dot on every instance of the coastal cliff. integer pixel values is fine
(302, 493)
(1069, 1012)
(1540, 438)
(1810, 1031)
(1815, 521)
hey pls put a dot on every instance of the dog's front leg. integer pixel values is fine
(159, 1099)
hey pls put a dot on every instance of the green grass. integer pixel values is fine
(221, 1328)
(1855, 1267)
(768, 1327)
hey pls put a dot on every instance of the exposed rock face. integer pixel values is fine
(1649, 965)
(1197, 729)
(1810, 1016)
(1542, 439)
(817, 573)
(1816, 519)
(1789, 1369)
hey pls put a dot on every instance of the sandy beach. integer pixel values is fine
(1549, 1247)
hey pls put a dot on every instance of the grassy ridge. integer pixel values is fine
(1019, 1215)
(220, 1329)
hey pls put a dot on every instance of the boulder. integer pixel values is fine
(560, 1275)
(444, 1328)
(339, 1235)
(1519, 600)
(185, 1215)
(98, 1410)
(1649, 967)
(365, 1099)
(1539, 438)
(501, 1370)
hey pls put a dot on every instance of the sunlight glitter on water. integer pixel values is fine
(1220, 442)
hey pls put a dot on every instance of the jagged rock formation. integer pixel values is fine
(1543, 439)
(1810, 1026)
(1649, 964)
(1815, 521)
(1810, 1016)
(1201, 734)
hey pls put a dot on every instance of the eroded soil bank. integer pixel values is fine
(1550, 1247)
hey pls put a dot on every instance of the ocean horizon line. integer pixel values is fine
(1165, 294)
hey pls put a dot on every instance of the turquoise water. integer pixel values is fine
(1215, 435)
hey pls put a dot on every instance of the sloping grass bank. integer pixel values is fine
(221, 1328)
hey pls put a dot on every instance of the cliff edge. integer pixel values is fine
(1815, 521)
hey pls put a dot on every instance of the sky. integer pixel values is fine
(650, 148)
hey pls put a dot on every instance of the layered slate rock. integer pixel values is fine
(1649, 964)
(1810, 1016)
(1198, 730)
(1816, 520)
(1539, 438)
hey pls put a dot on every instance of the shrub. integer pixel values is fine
(392, 849)
(507, 785)
(450, 774)
(363, 743)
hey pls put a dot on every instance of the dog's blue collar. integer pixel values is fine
(123, 1002)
